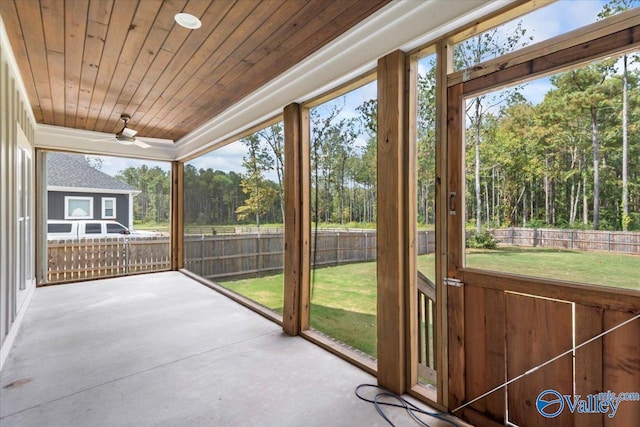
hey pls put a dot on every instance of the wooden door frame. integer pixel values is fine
(614, 35)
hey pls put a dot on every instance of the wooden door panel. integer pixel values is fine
(538, 330)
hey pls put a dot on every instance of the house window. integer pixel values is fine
(78, 207)
(108, 207)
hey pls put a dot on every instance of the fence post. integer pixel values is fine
(259, 253)
(202, 255)
(366, 246)
(224, 244)
(513, 236)
(572, 239)
(609, 241)
(338, 249)
(126, 256)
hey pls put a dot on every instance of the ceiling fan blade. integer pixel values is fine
(141, 144)
(129, 133)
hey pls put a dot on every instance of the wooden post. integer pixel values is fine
(297, 226)
(177, 215)
(42, 259)
(444, 65)
(455, 241)
(393, 224)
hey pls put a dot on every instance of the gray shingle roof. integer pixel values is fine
(72, 170)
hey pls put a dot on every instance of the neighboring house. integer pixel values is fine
(78, 191)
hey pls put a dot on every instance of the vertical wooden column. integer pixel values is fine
(444, 65)
(455, 242)
(41, 217)
(393, 222)
(177, 215)
(297, 228)
(411, 166)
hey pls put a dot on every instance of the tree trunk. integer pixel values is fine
(596, 168)
(625, 147)
(532, 196)
(477, 167)
(486, 200)
(585, 200)
(525, 211)
(552, 198)
(575, 205)
(546, 191)
(493, 196)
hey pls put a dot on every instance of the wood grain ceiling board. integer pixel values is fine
(84, 63)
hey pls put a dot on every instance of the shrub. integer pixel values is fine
(481, 240)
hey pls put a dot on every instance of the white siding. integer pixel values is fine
(15, 114)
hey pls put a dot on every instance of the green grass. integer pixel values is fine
(343, 303)
(597, 268)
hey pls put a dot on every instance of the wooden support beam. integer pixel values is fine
(410, 164)
(614, 35)
(297, 228)
(455, 249)
(392, 222)
(177, 215)
(444, 65)
(41, 217)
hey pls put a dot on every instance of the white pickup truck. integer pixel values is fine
(58, 229)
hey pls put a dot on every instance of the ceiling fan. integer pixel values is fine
(127, 136)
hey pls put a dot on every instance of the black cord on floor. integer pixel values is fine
(411, 409)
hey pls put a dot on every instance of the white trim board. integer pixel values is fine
(90, 190)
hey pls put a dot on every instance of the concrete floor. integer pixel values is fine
(163, 350)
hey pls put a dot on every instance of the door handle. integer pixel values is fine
(452, 204)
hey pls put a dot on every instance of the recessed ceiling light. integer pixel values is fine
(187, 20)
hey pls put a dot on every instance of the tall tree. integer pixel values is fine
(322, 124)
(261, 196)
(426, 140)
(588, 92)
(467, 54)
(612, 8)
(273, 136)
(152, 204)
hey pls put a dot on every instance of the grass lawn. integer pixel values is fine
(597, 268)
(343, 303)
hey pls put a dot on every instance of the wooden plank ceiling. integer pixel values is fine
(85, 62)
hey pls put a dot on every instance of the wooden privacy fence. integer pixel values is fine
(232, 255)
(75, 259)
(585, 240)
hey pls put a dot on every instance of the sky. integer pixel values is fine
(557, 18)
(113, 165)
